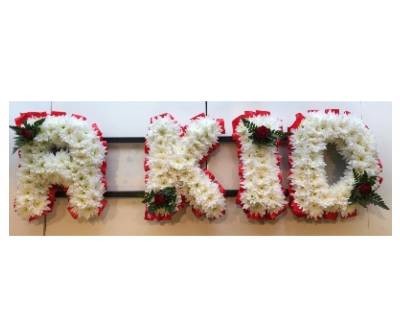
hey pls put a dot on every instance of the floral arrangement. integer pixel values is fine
(59, 151)
(311, 195)
(257, 135)
(174, 174)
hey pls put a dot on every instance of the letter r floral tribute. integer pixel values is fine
(55, 151)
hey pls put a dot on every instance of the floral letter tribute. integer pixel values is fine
(310, 194)
(260, 195)
(174, 175)
(56, 150)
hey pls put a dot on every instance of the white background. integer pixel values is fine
(195, 50)
(125, 172)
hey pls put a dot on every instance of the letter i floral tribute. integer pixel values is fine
(174, 174)
(59, 151)
(310, 194)
(257, 134)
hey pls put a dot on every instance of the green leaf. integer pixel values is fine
(152, 208)
(148, 197)
(15, 128)
(364, 178)
(251, 127)
(372, 180)
(38, 123)
(357, 176)
(278, 133)
(378, 201)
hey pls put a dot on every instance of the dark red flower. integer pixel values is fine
(160, 199)
(364, 188)
(28, 134)
(262, 132)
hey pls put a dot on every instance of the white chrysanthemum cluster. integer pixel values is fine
(261, 193)
(76, 165)
(355, 144)
(173, 161)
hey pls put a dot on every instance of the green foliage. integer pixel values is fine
(170, 200)
(270, 140)
(25, 133)
(364, 199)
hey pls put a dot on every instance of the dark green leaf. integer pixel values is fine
(39, 122)
(378, 201)
(372, 180)
(15, 128)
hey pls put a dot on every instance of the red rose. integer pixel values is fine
(159, 199)
(262, 132)
(27, 134)
(364, 188)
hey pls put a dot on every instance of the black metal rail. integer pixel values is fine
(138, 193)
(223, 139)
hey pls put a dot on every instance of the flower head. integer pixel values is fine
(364, 188)
(159, 199)
(262, 132)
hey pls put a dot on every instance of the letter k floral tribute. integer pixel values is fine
(173, 164)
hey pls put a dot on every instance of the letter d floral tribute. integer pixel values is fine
(310, 194)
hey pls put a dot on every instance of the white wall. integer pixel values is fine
(124, 216)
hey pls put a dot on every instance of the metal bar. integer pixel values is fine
(223, 139)
(138, 193)
(231, 192)
(125, 139)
